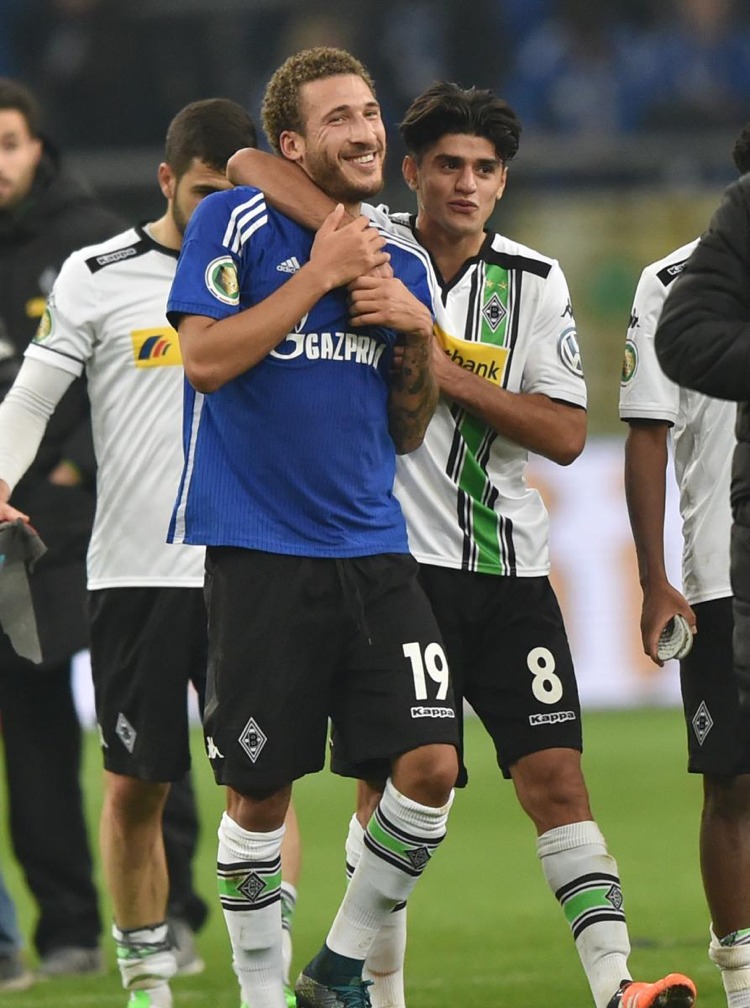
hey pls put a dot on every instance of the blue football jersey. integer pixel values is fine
(293, 456)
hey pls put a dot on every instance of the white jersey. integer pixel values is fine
(106, 315)
(702, 436)
(507, 316)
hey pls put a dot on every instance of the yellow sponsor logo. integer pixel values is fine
(156, 347)
(35, 307)
(482, 359)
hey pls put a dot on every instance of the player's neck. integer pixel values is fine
(448, 252)
(165, 233)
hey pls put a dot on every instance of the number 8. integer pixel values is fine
(546, 686)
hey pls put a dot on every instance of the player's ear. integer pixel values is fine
(409, 171)
(292, 145)
(503, 180)
(167, 180)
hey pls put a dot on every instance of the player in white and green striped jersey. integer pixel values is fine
(510, 374)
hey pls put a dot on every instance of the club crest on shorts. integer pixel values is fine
(252, 739)
(126, 733)
(702, 722)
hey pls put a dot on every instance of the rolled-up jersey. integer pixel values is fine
(293, 456)
(506, 316)
(106, 315)
(702, 436)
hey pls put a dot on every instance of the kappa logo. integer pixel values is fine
(125, 732)
(212, 750)
(432, 712)
(551, 717)
(290, 265)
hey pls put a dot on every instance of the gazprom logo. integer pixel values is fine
(357, 348)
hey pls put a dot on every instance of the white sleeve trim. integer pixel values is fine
(24, 414)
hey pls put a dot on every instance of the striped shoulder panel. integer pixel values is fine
(671, 272)
(515, 261)
(131, 251)
(244, 221)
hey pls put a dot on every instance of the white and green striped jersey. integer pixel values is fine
(702, 433)
(506, 316)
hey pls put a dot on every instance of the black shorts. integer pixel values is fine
(147, 644)
(718, 731)
(296, 640)
(509, 657)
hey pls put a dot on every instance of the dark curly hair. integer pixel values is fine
(280, 110)
(447, 108)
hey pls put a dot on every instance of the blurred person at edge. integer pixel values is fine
(13, 974)
(46, 212)
(702, 343)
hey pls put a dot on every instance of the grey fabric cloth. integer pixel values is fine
(20, 548)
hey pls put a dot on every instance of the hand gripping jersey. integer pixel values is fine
(506, 316)
(106, 314)
(702, 436)
(294, 456)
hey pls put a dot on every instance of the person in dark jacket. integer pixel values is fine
(47, 212)
(703, 342)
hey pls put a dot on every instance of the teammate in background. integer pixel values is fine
(511, 382)
(292, 423)
(46, 212)
(13, 974)
(702, 432)
(105, 316)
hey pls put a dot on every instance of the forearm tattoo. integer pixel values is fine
(414, 394)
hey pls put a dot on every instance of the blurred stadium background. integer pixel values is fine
(630, 109)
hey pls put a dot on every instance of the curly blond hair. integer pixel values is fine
(280, 109)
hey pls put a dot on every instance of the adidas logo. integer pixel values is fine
(288, 265)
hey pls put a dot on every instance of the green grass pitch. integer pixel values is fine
(484, 930)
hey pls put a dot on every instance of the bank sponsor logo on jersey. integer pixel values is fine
(569, 352)
(221, 280)
(484, 359)
(337, 346)
(629, 362)
(44, 328)
(551, 717)
(432, 712)
(156, 347)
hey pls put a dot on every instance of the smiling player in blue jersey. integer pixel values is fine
(292, 423)
(511, 382)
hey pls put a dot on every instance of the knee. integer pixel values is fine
(727, 798)
(551, 789)
(127, 798)
(427, 775)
